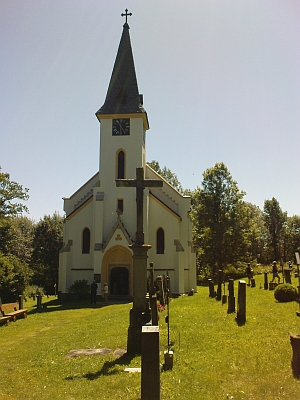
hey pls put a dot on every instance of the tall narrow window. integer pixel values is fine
(121, 165)
(160, 241)
(120, 206)
(86, 238)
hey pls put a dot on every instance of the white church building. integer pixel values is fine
(101, 218)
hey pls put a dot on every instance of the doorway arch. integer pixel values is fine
(117, 271)
(119, 281)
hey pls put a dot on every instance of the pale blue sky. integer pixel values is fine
(220, 79)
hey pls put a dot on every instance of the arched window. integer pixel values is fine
(86, 238)
(160, 241)
(121, 165)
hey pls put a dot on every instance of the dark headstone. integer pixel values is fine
(287, 275)
(241, 308)
(231, 298)
(266, 285)
(295, 343)
(211, 288)
(220, 280)
(150, 373)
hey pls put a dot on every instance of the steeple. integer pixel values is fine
(123, 95)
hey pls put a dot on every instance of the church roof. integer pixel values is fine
(123, 95)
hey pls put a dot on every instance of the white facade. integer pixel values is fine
(97, 235)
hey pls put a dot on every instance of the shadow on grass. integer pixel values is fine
(107, 369)
(57, 305)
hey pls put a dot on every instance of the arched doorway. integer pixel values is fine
(117, 271)
(119, 281)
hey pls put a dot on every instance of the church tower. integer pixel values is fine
(123, 124)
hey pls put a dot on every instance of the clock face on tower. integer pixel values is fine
(121, 127)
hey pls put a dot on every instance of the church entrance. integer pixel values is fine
(119, 280)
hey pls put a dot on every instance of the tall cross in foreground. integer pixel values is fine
(127, 14)
(140, 184)
(139, 259)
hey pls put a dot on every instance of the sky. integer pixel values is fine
(220, 80)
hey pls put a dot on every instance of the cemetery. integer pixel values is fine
(77, 350)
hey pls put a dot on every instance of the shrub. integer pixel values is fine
(80, 289)
(285, 292)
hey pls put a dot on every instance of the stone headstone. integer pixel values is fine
(295, 343)
(287, 275)
(241, 308)
(231, 298)
(150, 374)
(220, 280)
(266, 285)
(211, 288)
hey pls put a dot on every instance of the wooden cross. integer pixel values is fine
(127, 14)
(140, 184)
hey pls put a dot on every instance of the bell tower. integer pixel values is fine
(123, 120)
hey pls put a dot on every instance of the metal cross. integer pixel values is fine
(127, 14)
(140, 184)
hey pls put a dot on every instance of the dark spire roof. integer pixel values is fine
(123, 95)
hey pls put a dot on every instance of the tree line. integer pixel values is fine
(227, 231)
(29, 250)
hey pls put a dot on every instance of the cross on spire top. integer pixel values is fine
(127, 14)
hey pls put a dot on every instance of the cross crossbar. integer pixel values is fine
(140, 184)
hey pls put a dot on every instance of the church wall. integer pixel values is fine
(73, 263)
(159, 217)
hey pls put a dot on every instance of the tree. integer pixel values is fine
(168, 175)
(19, 238)
(256, 233)
(14, 277)
(48, 240)
(275, 219)
(9, 192)
(216, 211)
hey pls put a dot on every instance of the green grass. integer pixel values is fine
(214, 358)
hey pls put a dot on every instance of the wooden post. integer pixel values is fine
(150, 374)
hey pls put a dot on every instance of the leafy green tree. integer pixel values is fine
(256, 234)
(9, 192)
(19, 238)
(216, 211)
(14, 277)
(291, 237)
(48, 240)
(14, 272)
(168, 175)
(275, 219)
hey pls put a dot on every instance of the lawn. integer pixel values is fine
(214, 358)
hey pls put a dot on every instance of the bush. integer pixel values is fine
(80, 289)
(285, 292)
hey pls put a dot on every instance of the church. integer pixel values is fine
(101, 217)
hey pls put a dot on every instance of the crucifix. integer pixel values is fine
(139, 257)
(127, 14)
(140, 184)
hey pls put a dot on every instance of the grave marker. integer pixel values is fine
(150, 374)
(241, 308)
(140, 250)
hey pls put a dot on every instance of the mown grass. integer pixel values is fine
(214, 358)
